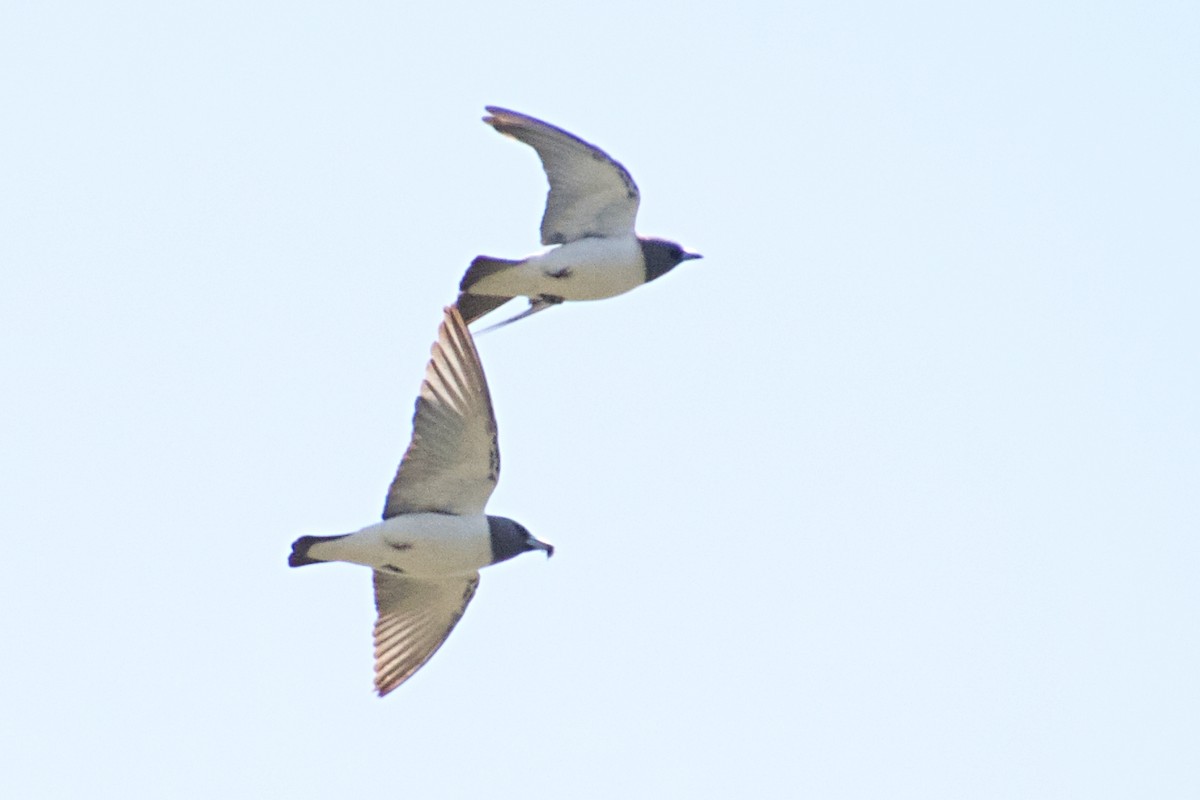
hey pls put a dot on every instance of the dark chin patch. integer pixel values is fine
(659, 257)
(508, 538)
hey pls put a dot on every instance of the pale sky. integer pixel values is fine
(894, 494)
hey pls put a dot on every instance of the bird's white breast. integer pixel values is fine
(596, 268)
(587, 269)
(418, 545)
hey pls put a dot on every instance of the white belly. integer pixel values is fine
(416, 544)
(589, 269)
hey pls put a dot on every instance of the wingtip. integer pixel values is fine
(503, 120)
(454, 338)
(455, 323)
(493, 115)
(452, 319)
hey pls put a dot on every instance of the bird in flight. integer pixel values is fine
(435, 535)
(589, 218)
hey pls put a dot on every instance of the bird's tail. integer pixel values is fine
(472, 305)
(484, 267)
(301, 547)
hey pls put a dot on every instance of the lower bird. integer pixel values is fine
(435, 536)
(590, 214)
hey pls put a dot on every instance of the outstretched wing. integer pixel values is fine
(415, 617)
(590, 193)
(453, 461)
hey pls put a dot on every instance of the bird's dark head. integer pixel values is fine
(662, 256)
(510, 539)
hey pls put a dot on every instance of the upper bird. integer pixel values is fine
(435, 536)
(590, 213)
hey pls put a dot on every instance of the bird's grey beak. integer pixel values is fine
(549, 548)
(691, 256)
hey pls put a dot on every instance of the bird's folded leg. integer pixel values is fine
(540, 303)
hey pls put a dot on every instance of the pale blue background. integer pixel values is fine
(892, 495)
